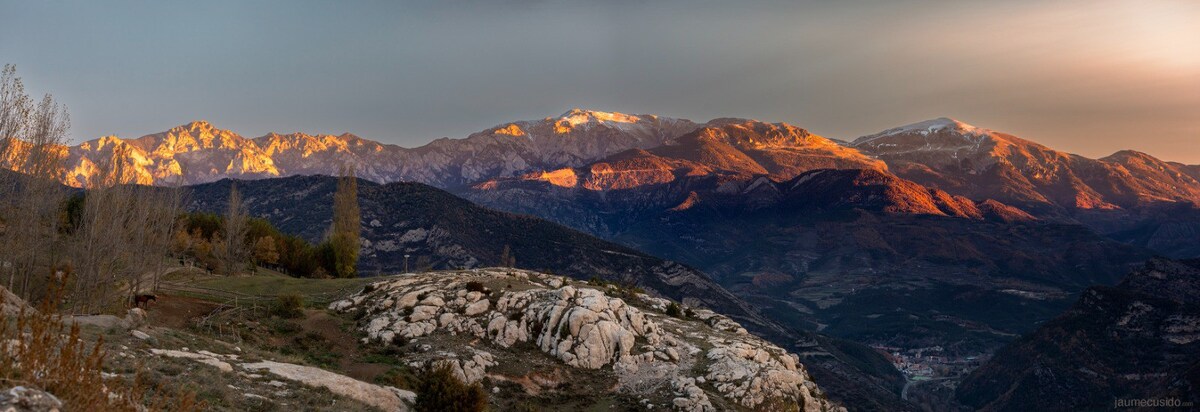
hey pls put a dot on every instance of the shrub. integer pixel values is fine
(289, 306)
(673, 310)
(400, 377)
(439, 390)
(776, 403)
(474, 286)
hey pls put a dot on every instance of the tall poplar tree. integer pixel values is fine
(344, 232)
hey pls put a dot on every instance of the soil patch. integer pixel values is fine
(175, 311)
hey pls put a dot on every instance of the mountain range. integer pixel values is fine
(198, 152)
(1129, 196)
(937, 234)
(944, 153)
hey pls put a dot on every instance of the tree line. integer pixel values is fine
(234, 243)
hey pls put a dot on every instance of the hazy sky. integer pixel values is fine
(1089, 77)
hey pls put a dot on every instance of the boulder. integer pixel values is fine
(136, 317)
(24, 399)
(12, 304)
(384, 398)
(477, 308)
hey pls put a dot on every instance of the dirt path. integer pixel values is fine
(342, 342)
(175, 311)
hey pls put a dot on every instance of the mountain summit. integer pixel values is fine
(981, 163)
(928, 127)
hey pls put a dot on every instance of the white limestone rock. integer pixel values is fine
(704, 356)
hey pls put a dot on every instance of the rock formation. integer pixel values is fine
(697, 362)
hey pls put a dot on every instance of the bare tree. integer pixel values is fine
(232, 247)
(124, 234)
(506, 257)
(31, 139)
(15, 107)
(115, 234)
(98, 245)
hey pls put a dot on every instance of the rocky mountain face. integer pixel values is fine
(194, 152)
(981, 163)
(1139, 339)
(632, 346)
(198, 152)
(1129, 196)
(731, 148)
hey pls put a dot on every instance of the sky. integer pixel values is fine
(1089, 77)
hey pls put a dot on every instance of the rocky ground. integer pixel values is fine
(228, 376)
(533, 341)
(524, 333)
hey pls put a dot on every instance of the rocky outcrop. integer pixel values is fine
(24, 399)
(10, 303)
(205, 357)
(135, 317)
(697, 362)
(383, 397)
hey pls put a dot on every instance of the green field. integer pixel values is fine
(263, 285)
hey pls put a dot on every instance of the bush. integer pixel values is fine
(673, 310)
(439, 390)
(474, 286)
(781, 404)
(289, 306)
(400, 377)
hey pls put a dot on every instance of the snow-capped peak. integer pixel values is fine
(928, 127)
(578, 116)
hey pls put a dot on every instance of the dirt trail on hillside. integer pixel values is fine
(175, 311)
